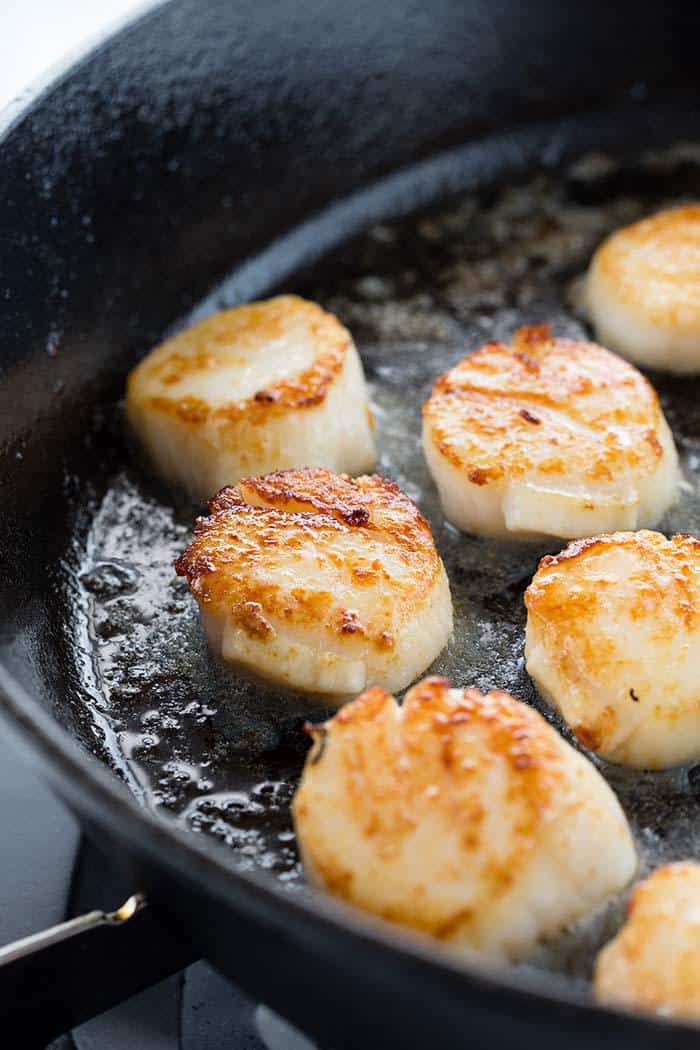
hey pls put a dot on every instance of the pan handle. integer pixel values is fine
(54, 980)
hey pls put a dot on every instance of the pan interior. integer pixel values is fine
(223, 754)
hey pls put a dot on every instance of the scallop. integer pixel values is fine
(654, 962)
(643, 290)
(255, 389)
(613, 642)
(548, 437)
(320, 582)
(463, 816)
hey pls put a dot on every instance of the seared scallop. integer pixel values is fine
(654, 962)
(462, 815)
(613, 642)
(251, 390)
(643, 290)
(321, 582)
(548, 436)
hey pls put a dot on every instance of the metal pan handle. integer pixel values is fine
(54, 980)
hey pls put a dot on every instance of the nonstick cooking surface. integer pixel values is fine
(223, 754)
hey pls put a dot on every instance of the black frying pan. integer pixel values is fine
(205, 140)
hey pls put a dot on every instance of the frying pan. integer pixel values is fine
(250, 139)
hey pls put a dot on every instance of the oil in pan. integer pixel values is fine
(222, 753)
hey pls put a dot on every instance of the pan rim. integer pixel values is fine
(19, 106)
(88, 787)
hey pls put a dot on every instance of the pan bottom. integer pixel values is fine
(222, 754)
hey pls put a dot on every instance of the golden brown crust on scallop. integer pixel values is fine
(254, 527)
(479, 781)
(210, 343)
(313, 491)
(654, 962)
(665, 584)
(268, 386)
(544, 403)
(653, 266)
(432, 760)
(645, 893)
(612, 640)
